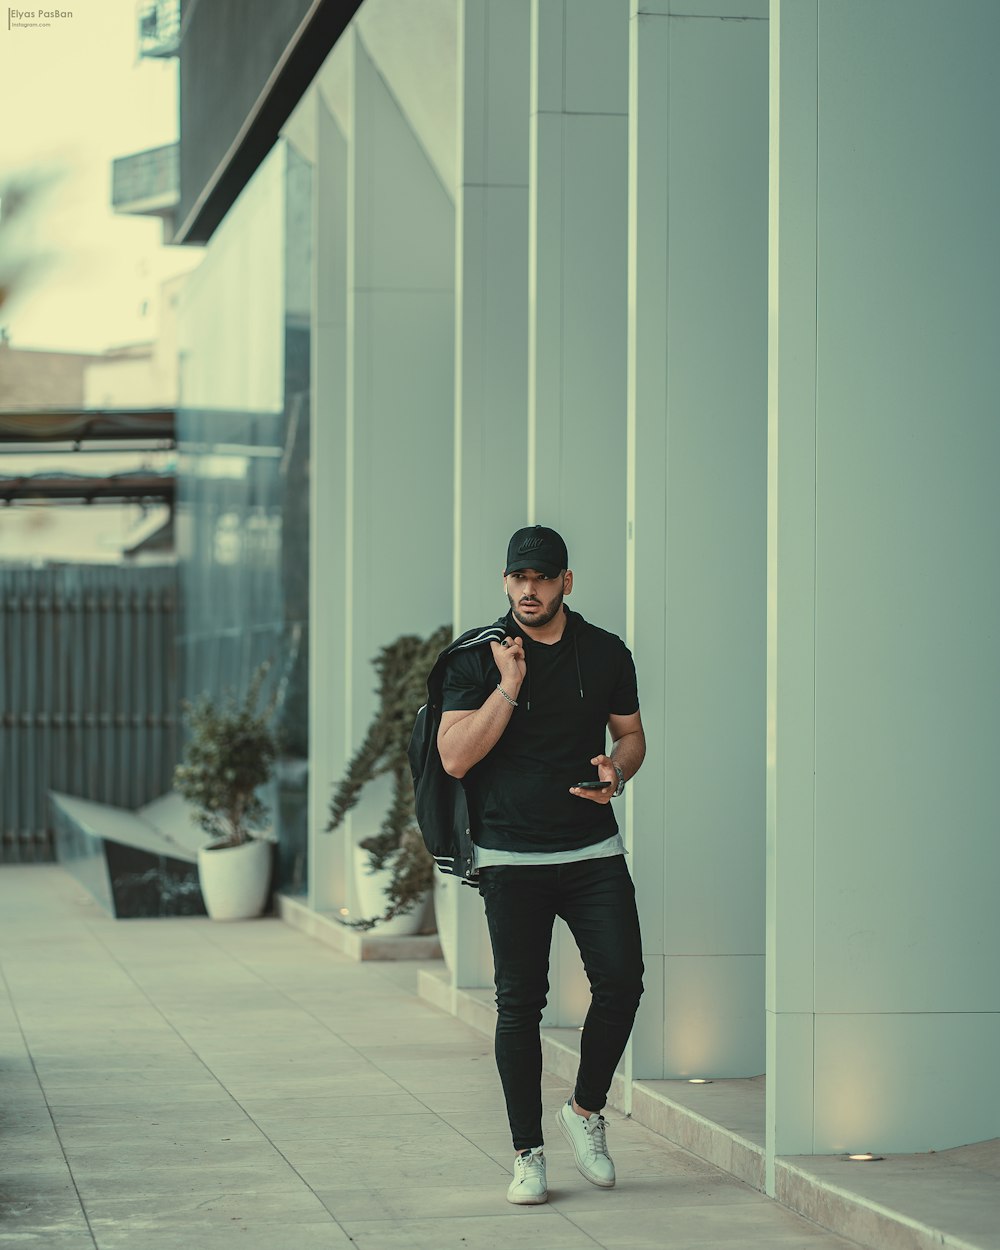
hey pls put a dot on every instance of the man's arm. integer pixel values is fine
(464, 738)
(629, 749)
(628, 752)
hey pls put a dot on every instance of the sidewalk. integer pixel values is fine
(179, 1083)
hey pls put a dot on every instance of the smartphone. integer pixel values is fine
(593, 785)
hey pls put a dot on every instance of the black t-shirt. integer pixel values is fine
(518, 794)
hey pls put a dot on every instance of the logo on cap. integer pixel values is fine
(531, 543)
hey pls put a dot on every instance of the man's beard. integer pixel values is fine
(536, 622)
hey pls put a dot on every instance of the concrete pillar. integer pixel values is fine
(697, 521)
(400, 397)
(491, 309)
(383, 428)
(884, 610)
(330, 750)
(577, 327)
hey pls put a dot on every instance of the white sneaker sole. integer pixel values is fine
(528, 1200)
(601, 1184)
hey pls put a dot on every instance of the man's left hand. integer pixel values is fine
(605, 772)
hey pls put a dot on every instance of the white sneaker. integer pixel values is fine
(528, 1187)
(589, 1142)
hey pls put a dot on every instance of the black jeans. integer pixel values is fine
(596, 898)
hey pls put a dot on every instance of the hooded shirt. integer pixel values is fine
(518, 794)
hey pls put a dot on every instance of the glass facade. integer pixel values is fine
(243, 444)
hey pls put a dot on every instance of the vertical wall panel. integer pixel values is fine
(491, 365)
(697, 503)
(88, 693)
(577, 292)
(328, 492)
(578, 226)
(886, 606)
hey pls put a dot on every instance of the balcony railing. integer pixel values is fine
(147, 182)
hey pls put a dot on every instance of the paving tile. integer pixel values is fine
(88, 1074)
(130, 1153)
(295, 1204)
(30, 1208)
(540, 1228)
(216, 1111)
(49, 1238)
(242, 1085)
(750, 1226)
(109, 1180)
(383, 1168)
(424, 1130)
(313, 1115)
(462, 1051)
(66, 1094)
(143, 1056)
(572, 1195)
(356, 1077)
(195, 1136)
(236, 1233)
(423, 1032)
(259, 1068)
(39, 1206)
(418, 1201)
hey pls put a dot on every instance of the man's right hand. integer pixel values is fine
(465, 737)
(509, 659)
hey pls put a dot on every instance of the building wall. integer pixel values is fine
(775, 483)
(37, 379)
(883, 1013)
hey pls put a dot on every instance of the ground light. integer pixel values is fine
(699, 1080)
(864, 1158)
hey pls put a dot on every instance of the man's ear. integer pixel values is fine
(568, 582)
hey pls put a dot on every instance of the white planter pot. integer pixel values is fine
(370, 888)
(234, 879)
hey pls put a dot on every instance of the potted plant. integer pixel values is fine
(231, 753)
(402, 669)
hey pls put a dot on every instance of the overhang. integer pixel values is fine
(245, 64)
(77, 425)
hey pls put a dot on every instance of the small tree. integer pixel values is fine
(231, 753)
(402, 669)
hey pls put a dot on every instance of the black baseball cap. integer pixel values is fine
(537, 547)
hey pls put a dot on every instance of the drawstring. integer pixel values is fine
(579, 675)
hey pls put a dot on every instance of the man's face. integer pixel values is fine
(535, 598)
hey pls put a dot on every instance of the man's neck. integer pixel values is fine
(549, 633)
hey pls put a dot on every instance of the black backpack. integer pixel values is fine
(442, 812)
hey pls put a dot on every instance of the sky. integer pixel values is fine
(73, 96)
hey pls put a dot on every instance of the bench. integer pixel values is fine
(135, 863)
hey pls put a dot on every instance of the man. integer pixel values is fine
(522, 725)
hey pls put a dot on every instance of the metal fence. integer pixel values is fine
(88, 693)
